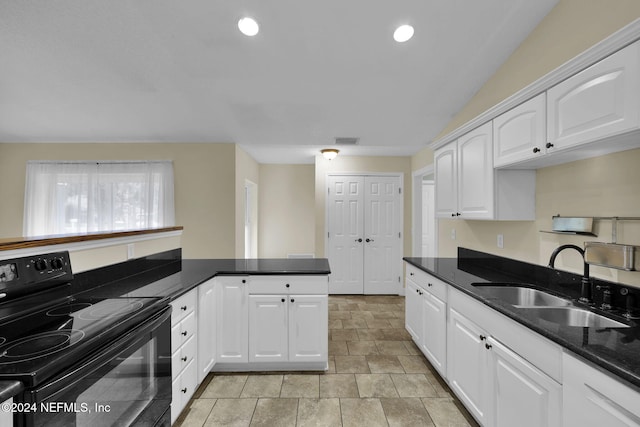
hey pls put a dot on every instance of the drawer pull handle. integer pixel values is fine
(184, 333)
(183, 308)
(184, 390)
(184, 358)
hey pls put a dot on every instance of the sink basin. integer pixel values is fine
(574, 316)
(524, 297)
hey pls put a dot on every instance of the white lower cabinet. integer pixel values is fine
(184, 365)
(499, 387)
(468, 365)
(232, 319)
(594, 398)
(308, 328)
(268, 331)
(6, 417)
(426, 316)
(522, 394)
(206, 328)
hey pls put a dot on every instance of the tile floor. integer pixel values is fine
(376, 377)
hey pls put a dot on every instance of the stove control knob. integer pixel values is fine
(41, 264)
(57, 263)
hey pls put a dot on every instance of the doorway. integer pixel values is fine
(250, 219)
(424, 225)
(364, 233)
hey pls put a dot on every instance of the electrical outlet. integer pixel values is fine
(500, 241)
(453, 234)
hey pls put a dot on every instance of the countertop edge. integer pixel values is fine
(8, 389)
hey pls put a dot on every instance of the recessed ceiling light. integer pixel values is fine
(403, 33)
(248, 26)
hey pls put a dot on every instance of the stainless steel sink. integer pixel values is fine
(574, 316)
(524, 297)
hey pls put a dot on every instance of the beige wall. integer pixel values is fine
(204, 195)
(286, 210)
(597, 187)
(359, 164)
(246, 168)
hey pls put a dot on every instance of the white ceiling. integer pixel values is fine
(180, 71)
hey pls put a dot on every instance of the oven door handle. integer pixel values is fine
(68, 379)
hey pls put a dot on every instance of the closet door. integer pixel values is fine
(364, 243)
(345, 241)
(382, 235)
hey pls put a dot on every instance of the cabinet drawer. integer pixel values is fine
(181, 332)
(182, 357)
(428, 282)
(183, 306)
(182, 389)
(299, 285)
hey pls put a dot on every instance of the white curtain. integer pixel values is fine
(80, 197)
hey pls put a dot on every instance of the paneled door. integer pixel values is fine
(364, 240)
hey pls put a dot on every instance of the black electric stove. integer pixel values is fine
(44, 328)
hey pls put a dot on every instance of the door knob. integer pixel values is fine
(369, 240)
(359, 240)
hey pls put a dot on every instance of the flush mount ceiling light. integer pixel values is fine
(329, 153)
(403, 33)
(248, 26)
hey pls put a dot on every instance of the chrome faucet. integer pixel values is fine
(585, 292)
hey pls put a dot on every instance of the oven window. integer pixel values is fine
(125, 391)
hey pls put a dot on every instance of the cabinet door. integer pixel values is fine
(445, 160)
(268, 328)
(520, 134)
(232, 319)
(475, 174)
(524, 395)
(413, 312)
(308, 328)
(6, 417)
(206, 328)
(593, 398)
(434, 340)
(596, 103)
(468, 364)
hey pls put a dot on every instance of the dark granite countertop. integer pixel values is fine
(8, 389)
(172, 279)
(616, 350)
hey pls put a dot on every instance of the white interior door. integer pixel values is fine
(382, 235)
(345, 227)
(428, 240)
(364, 243)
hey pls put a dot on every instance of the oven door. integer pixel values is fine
(127, 383)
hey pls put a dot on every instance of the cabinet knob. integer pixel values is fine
(368, 240)
(458, 214)
(549, 145)
(488, 346)
(429, 285)
(184, 390)
(292, 300)
(453, 214)
(287, 285)
(410, 274)
(282, 299)
(536, 150)
(359, 240)
(184, 333)
(244, 281)
(482, 338)
(184, 358)
(183, 308)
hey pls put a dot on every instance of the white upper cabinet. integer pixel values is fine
(468, 186)
(597, 103)
(475, 174)
(520, 134)
(446, 165)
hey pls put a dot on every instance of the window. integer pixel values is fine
(80, 197)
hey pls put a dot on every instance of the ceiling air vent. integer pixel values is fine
(346, 141)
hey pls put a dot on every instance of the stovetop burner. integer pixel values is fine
(66, 310)
(40, 345)
(110, 308)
